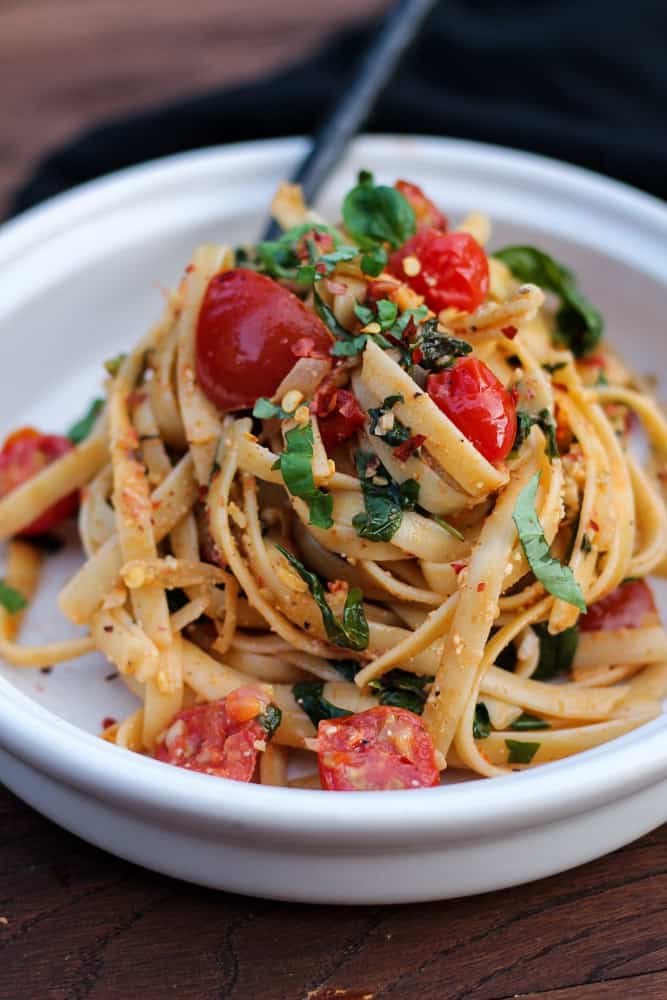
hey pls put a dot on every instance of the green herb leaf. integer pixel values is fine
(445, 525)
(556, 652)
(348, 348)
(402, 689)
(521, 751)
(377, 214)
(346, 668)
(579, 324)
(586, 544)
(264, 409)
(373, 262)
(384, 499)
(308, 694)
(352, 632)
(438, 350)
(481, 723)
(283, 258)
(113, 364)
(295, 464)
(79, 431)
(324, 264)
(398, 432)
(11, 600)
(544, 420)
(328, 318)
(270, 719)
(559, 580)
(526, 721)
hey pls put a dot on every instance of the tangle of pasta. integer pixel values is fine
(375, 559)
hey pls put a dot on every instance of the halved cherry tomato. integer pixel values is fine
(427, 213)
(478, 403)
(247, 329)
(221, 737)
(630, 605)
(382, 748)
(453, 269)
(25, 453)
(341, 420)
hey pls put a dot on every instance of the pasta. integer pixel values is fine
(367, 492)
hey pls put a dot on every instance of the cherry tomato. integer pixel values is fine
(427, 214)
(478, 403)
(247, 328)
(628, 606)
(25, 453)
(382, 748)
(220, 737)
(342, 419)
(453, 269)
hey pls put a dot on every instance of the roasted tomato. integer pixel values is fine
(630, 605)
(383, 748)
(25, 453)
(339, 417)
(250, 333)
(478, 403)
(221, 737)
(448, 269)
(427, 213)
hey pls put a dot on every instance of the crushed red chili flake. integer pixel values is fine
(324, 400)
(189, 269)
(594, 525)
(458, 567)
(509, 331)
(481, 586)
(108, 720)
(417, 355)
(321, 268)
(336, 586)
(404, 451)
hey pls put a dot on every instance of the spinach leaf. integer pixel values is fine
(527, 721)
(79, 431)
(559, 580)
(384, 499)
(346, 668)
(520, 751)
(481, 724)
(270, 719)
(398, 433)
(556, 652)
(308, 694)
(377, 214)
(579, 324)
(296, 252)
(352, 632)
(544, 420)
(295, 465)
(402, 689)
(435, 351)
(10, 599)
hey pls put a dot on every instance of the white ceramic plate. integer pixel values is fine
(80, 280)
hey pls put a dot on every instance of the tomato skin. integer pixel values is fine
(247, 328)
(381, 749)
(218, 737)
(427, 213)
(454, 269)
(628, 606)
(478, 403)
(25, 453)
(343, 419)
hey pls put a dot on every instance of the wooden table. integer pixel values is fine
(76, 923)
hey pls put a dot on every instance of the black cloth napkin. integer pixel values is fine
(581, 80)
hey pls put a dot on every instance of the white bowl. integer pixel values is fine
(80, 281)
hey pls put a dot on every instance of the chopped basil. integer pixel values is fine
(270, 719)
(284, 258)
(79, 431)
(559, 580)
(348, 348)
(113, 364)
(402, 689)
(264, 409)
(445, 525)
(395, 435)
(543, 420)
(352, 632)
(521, 751)
(323, 265)
(556, 652)
(308, 694)
(527, 721)
(385, 314)
(384, 499)
(377, 214)
(374, 261)
(437, 350)
(346, 668)
(481, 724)
(11, 600)
(554, 368)
(295, 465)
(579, 324)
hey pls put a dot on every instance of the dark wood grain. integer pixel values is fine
(77, 924)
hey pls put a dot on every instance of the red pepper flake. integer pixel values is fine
(321, 268)
(324, 401)
(509, 331)
(458, 567)
(189, 269)
(335, 287)
(593, 525)
(404, 451)
(108, 628)
(323, 240)
(337, 586)
(417, 355)
(108, 720)
(481, 586)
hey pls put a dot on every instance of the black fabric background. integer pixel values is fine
(581, 80)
